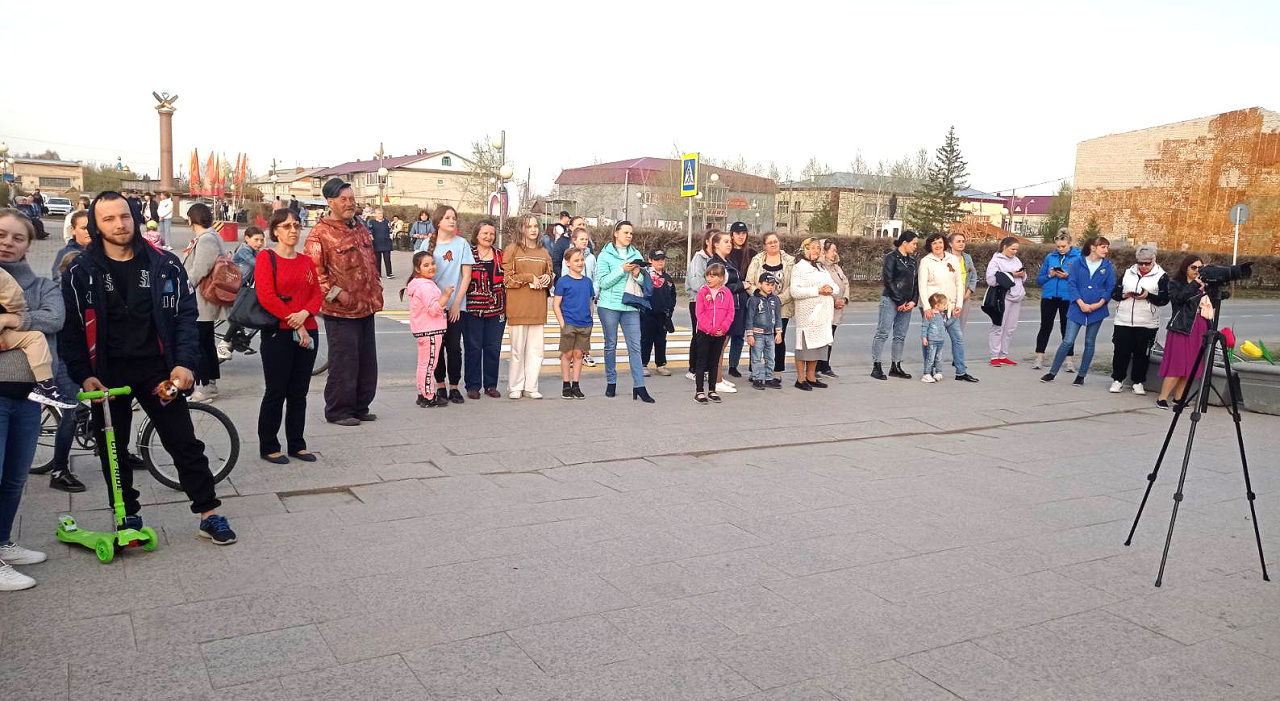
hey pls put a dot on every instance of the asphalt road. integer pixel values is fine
(397, 351)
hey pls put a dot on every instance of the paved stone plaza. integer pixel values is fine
(878, 540)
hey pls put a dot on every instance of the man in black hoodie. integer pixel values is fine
(131, 320)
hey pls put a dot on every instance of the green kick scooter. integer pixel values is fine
(105, 544)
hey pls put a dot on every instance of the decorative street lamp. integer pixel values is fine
(505, 172)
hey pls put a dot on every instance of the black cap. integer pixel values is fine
(333, 187)
(767, 277)
(738, 226)
(658, 254)
(564, 213)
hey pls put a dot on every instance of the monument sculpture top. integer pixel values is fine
(166, 102)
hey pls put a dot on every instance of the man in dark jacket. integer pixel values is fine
(131, 321)
(380, 230)
(655, 321)
(900, 296)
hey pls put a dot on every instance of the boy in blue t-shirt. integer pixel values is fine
(573, 310)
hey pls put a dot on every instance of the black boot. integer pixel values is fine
(611, 389)
(877, 372)
(642, 394)
(895, 370)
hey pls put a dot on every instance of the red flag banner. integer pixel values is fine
(193, 177)
(210, 176)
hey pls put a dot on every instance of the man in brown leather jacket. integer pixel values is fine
(343, 253)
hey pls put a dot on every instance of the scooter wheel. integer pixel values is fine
(106, 551)
(151, 541)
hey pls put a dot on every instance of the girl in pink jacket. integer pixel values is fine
(714, 308)
(426, 322)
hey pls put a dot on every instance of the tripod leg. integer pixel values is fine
(1178, 405)
(1233, 388)
(1205, 359)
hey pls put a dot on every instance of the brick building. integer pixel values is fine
(1174, 184)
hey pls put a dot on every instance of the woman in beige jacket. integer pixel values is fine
(526, 268)
(777, 261)
(831, 262)
(940, 272)
(814, 292)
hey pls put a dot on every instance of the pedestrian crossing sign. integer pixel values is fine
(689, 175)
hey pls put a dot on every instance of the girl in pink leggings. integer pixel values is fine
(427, 322)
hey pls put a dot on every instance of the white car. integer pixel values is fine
(58, 205)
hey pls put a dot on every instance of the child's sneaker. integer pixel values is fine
(134, 522)
(218, 530)
(588, 361)
(928, 378)
(577, 392)
(713, 397)
(937, 377)
(47, 393)
(567, 393)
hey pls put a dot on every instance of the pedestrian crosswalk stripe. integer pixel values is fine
(680, 338)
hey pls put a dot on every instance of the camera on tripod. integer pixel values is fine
(1221, 274)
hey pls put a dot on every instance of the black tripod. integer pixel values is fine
(1214, 341)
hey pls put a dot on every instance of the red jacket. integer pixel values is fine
(715, 310)
(343, 256)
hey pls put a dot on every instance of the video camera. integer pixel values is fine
(1221, 274)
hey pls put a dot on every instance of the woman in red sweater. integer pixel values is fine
(289, 289)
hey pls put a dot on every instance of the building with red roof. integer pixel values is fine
(646, 191)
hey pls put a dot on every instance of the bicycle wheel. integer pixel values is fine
(212, 427)
(50, 417)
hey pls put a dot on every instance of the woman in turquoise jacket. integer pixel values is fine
(614, 266)
(1089, 285)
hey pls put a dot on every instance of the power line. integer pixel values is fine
(1023, 187)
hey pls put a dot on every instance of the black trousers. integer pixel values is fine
(451, 355)
(1132, 350)
(653, 339)
(693, 342)
(353, 367)
(780, 350)
(1048, 309)
(173, 425)
(706, 358)
(383, 259)
(287, 369)
(206, 370)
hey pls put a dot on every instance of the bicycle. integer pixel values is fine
(212, 427)
(243, 343)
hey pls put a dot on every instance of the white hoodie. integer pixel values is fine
(1140, 312)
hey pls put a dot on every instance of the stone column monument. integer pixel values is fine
(166, 110)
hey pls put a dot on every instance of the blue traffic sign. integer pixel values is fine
(689, 175)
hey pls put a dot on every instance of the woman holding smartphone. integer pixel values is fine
(1000, 337)
(1055, 300)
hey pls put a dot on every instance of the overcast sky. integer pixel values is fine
(318, 83)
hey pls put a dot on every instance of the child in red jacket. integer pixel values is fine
(714, 308)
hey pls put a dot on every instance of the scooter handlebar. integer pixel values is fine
(90, 396)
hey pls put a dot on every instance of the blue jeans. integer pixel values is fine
(890, 318)
(1069, 340)
(932, 352)
(19, 431)
(610, 319)
(762, 357)
(735, 345)
(952, 325)
(67, 426)
(482, 347)
(166, 225)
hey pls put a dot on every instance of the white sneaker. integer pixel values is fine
(726, 388)
(1071, 367)
(13, 580)
(15, 554)
(533, 395)
(1115, 387)
(514, 394)
(689, 376)
(588, 361)
(928, 378)
(224, 350)
(1139, 390)
(646, 372)
(724, 383)
(937, 377)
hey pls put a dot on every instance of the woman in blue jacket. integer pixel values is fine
(1089, 285)
(1054, 300)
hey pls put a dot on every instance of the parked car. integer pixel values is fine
(58, 205)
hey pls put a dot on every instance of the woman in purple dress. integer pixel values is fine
(1186, 330)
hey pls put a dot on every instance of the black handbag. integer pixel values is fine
(247, 311)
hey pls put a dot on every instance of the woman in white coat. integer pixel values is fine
(814, 294)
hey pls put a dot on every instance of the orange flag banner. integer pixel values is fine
(193, 177)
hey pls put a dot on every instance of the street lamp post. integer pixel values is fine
(4, 166)
(715, 178)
